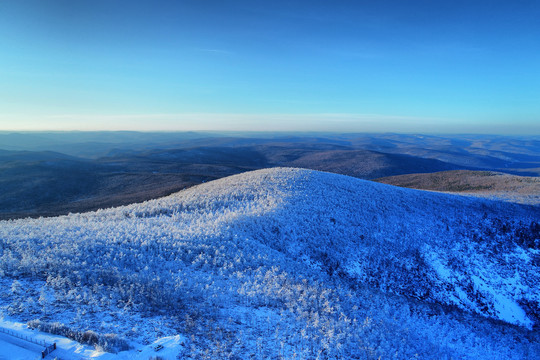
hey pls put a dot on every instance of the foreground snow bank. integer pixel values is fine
(14, 348)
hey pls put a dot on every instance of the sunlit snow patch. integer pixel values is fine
(506, 308)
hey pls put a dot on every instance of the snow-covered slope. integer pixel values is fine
(425, 245)
(284, 245)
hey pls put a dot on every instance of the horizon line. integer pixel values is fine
(264, 122)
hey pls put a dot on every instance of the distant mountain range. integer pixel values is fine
(104, 169)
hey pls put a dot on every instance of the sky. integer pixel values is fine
(371, 66)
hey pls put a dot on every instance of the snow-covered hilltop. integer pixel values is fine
(288, 262)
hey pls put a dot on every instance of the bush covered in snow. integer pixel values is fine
(104, 342)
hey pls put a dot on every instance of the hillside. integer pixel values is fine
(520, 189)
(109, 169)
(49, 184)
(363, 164)
(519, 155)
(288, 262)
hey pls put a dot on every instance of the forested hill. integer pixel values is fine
(288, 261)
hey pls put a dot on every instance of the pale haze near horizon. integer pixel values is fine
(369, 123)
(354, 66)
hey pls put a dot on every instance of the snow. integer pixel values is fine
(507, 309)
(442, 271)
(13, 348)
(303, 251)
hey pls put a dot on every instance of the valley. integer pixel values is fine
(114, 169)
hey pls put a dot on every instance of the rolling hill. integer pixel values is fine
(108, 169)
(520, 189)
(365, 164)
(288, 263)
(48, 183)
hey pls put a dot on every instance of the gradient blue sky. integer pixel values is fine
(399, 66)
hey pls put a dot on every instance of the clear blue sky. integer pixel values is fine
(411, 66)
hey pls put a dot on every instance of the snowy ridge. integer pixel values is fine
(260, 240)
(362, 223)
